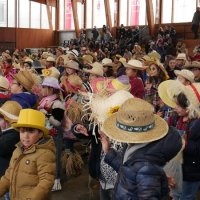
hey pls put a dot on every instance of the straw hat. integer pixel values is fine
(154, 55)
(87, 58)
(191, 65)
(4, 83)
(186, 74)
(135, 122)
(170, 89)
(28, 60)
(134, 64)
(122, 60)
(74, 52)
(72, 83)
(111, 85)
(107, 62)
(25, 78)
(10, 111)
(181, 56)
(51, 82)
(52, 72)
(72, 65)
(50, 59)
(64, 57)
(31, 119)
(97, 69)
(102, 106)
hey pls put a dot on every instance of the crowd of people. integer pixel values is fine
(136, 107)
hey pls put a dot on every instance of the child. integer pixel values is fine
(151, 143)
(32, 166)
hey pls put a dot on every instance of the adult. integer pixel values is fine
(195, 23)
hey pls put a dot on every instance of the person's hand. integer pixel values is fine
(171, 182)
(81, 129)
(105, 142)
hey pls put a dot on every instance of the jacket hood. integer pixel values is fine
(160, 151)
(25, 99)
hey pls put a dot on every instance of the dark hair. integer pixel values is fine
(109, 72)
(9, 61)
(182, 100)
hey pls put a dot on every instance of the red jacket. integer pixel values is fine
(137, 87)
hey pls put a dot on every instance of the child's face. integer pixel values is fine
(30, 136)
(182, 112)
(46, 91)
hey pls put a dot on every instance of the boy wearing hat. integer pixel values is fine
(185, 76)
(195, 68)
(32, 166)
(151, 143)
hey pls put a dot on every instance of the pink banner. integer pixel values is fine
(134, 12)
(68, 15)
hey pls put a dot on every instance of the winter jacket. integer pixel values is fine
(8, 139)
(191, 153)
(31, 173)
(141, 176)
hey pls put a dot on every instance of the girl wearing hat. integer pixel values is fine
(150, 145)
(186, 100)
(31, 171)
(53, 108)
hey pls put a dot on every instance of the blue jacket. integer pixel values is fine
(141, 177)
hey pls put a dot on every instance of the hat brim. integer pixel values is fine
(9, 117)
(92, 72)
(126, 65)
(163, 93)
(112, 131)
(43, 129)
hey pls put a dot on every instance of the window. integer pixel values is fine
(80, 10)
(11, 13)
(184, 10)
(44, 18)
(53, 13)
(69, 21)
(3, 13)
(24, 13)
(156, 9)
(167, 11)
(35, 15)
(123, 12)
(142, 12)
(89, 14)
(61, 17)
(99, 18)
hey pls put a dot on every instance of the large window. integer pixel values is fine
(24, 14)
(35, 15)
(123, 12)
(99, 18)
(80, 8)
(45, 21)
(167, 11)
(3, 13)
(11, 13)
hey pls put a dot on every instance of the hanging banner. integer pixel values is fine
(134, 12)
(68, 15)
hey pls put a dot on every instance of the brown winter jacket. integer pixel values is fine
(30, 175)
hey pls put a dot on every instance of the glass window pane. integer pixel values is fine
(123, 12)
(99, 13)
(53, 13)
(69, 21)
(3, 13)
(156, 8)
(80, 8)
(112, 10)
(89, 14)
(35, 15)
(61, 17)
(24, 12)
(184, 10)
(167, 11)
(11, 13)
(45, 21)
(142, 12)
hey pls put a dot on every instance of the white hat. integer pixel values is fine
(97, 69)
(107, 62)
(50, 59)
(134, 64)
(73, 52)
(186, 74)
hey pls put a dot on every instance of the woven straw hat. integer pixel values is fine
(107, 62)
(64, 57)
(186, 74)
(50, 59)
(52, 72)
(31, 119)
(170, 89)
(25, 78)
(4, 83)
(87, 58)
(134, 64)
(193, 64)
(10, 111)
(135, 122)
(97, 69)
(72, 83)
(72, 65)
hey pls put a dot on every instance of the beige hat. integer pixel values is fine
(4, 83)
(52, 72)
(186, 74)
(135, 122)
(74, 52)
(134, 64)
(97, 69)
(181, 56)
(154, 55)
(28, 60)
(88, 58)
(193, 64)
(107, 62)
(64, 57)
(10, 111)
(50, 59)
(72, 65)
(45, 55)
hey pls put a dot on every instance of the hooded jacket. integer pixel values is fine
(141, 176)
(30, 175)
